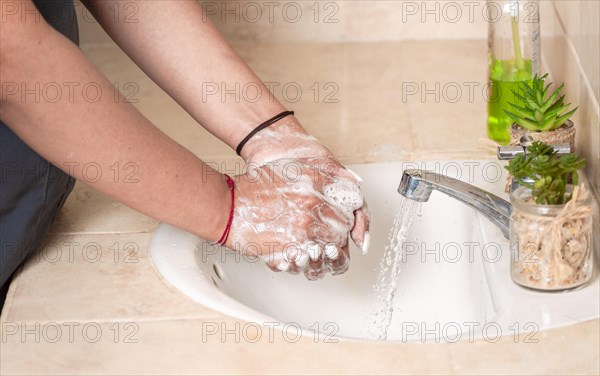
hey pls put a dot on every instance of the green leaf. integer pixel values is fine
(528, 92)
(555, 112)
(561, 120)
(538, 107)
(557, 103)
(522, 111)
(538, 148)
(547, 124)
(549, 172)
(522, 121)
(514, 117)
(546, 90)
(550, 102)
(519, 97)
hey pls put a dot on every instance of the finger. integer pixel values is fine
(293, 270)
(276, 262)
(345, 195)
(360, 233)
(315, 269)
(331, 225)
(347, 173)
(331, 167)
(283, 266)
(297, 259)
(336, 259)
(273, 267)
(301, 261)
(332, 252)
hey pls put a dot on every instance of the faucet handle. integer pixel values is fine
(509, 152)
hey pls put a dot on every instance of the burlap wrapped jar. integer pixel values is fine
(564, 134)
(551, 244)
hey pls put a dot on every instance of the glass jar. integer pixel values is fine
(564, 134)
(551, 247)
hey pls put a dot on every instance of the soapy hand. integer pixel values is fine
(297, 204)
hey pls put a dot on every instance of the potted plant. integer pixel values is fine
(542, 115)
(551, 220)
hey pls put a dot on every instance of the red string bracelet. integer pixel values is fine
(225, 235)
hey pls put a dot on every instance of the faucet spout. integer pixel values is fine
(418, 184)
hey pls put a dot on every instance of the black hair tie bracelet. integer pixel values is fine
(264, 125)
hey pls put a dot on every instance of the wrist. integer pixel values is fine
(224, 217)
(276, 139)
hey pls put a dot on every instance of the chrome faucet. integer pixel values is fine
(509, 152)
(418, 184)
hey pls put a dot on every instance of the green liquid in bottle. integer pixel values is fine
(505, 76)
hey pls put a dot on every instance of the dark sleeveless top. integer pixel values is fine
(32, 190)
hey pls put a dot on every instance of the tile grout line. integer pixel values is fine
(586, 83)
(217, 315)
(81, 233)
(12, 289)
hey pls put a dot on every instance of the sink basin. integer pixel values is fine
(454, 282)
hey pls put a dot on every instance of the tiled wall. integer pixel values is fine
(336, 20)
(354, 20)
(572, 54)
(570, 29)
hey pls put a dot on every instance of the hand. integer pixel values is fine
(299, 202)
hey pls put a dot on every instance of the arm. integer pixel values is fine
(172, 184)
(179, 48)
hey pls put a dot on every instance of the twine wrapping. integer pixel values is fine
(565, 134)
(562, 268)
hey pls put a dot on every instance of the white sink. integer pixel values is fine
(462, 291)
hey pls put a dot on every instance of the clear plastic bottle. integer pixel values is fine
(514, 50)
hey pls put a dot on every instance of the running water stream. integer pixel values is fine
(389, 268)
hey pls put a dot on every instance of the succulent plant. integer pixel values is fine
(546, 173)
(540, 111)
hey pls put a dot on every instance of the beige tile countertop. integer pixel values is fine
(90, 302)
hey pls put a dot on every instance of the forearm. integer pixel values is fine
(186, 55)
(169, 184)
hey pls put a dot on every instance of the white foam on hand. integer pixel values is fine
(300, 194)
(332, 251)
(314, 251)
